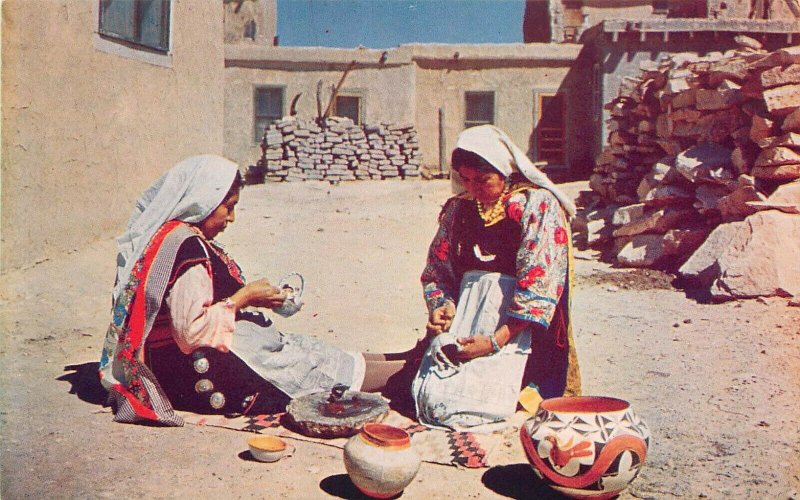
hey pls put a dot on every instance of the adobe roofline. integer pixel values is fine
(690, 25)
(244, 55)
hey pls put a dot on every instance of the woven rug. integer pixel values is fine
(460, 449)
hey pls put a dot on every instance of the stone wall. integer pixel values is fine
(336, 150)
(387, 89)
(412, 84)
(698, 145)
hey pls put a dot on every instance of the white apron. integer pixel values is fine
(483, 390)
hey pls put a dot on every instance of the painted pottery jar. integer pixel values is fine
(380, 460)
(587, 446)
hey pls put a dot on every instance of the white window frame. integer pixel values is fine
(121, 48)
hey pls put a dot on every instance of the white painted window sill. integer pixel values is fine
(111, 47)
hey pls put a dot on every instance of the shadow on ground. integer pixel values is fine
(518, 481)
(341, 486)
(85, 382)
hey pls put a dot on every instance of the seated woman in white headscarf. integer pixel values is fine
(497, 289)
(180, 337)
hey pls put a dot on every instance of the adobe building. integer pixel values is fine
(529, 90)
(547, 93)
(95, 106)
(97, 101)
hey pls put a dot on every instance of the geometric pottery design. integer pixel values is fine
(586, 447)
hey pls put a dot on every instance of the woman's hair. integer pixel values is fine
(463, 158)
(236, 186)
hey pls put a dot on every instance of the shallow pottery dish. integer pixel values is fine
(268, 448)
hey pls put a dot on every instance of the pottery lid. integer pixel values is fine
(584, 404)
(386, 435)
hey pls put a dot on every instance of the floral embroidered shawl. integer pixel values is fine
(188, 193)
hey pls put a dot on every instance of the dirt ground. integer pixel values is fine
(717, 384)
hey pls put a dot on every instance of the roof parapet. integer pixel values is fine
(248, 55)
(495, 51)
(691, 25)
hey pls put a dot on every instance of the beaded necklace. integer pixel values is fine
(233, 268)
(496, 212)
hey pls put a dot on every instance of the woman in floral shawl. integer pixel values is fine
(181, 336)
(497, 287)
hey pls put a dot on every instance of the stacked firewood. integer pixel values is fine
(694, 142)
(336, 150)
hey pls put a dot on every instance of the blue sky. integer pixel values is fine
(383, 24)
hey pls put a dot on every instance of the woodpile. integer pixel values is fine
(336, 150)
(695, 143)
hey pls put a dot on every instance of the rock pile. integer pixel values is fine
(701, 151)
(337, 150)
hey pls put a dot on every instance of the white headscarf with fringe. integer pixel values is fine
(494, 146)
(190, 191)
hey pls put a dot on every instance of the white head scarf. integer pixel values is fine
(190, 191)
(494, 146)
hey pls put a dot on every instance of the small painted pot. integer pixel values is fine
(587, 446)
(380, 460)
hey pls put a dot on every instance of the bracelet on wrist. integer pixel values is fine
(495, 345)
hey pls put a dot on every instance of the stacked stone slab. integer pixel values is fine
(695, 143)
(337, 150)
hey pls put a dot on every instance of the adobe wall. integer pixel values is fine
(387, 90)
(86, 130)
(515, 77)
(409, 85)
(599, 13)
(238, 13)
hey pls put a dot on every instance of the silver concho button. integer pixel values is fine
(201, 365)
(203, 385)
(217, 400)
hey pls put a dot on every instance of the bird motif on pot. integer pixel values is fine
(561, 455)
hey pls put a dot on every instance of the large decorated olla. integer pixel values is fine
(380, 460)
(587, 446)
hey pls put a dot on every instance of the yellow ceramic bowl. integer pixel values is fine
(267, 448)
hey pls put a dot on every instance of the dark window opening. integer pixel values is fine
(250, 29)
(268, 106)
(348, 106)
(143, 23)
(660, 6)
(479, 108)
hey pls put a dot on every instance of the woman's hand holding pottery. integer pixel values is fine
(259, 293)
(481, 345)
(473, 347)
(440, 319)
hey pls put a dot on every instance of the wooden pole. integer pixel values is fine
(336, 88)
(443, 168)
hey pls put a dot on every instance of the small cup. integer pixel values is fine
(294, 295)
(268, 448)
